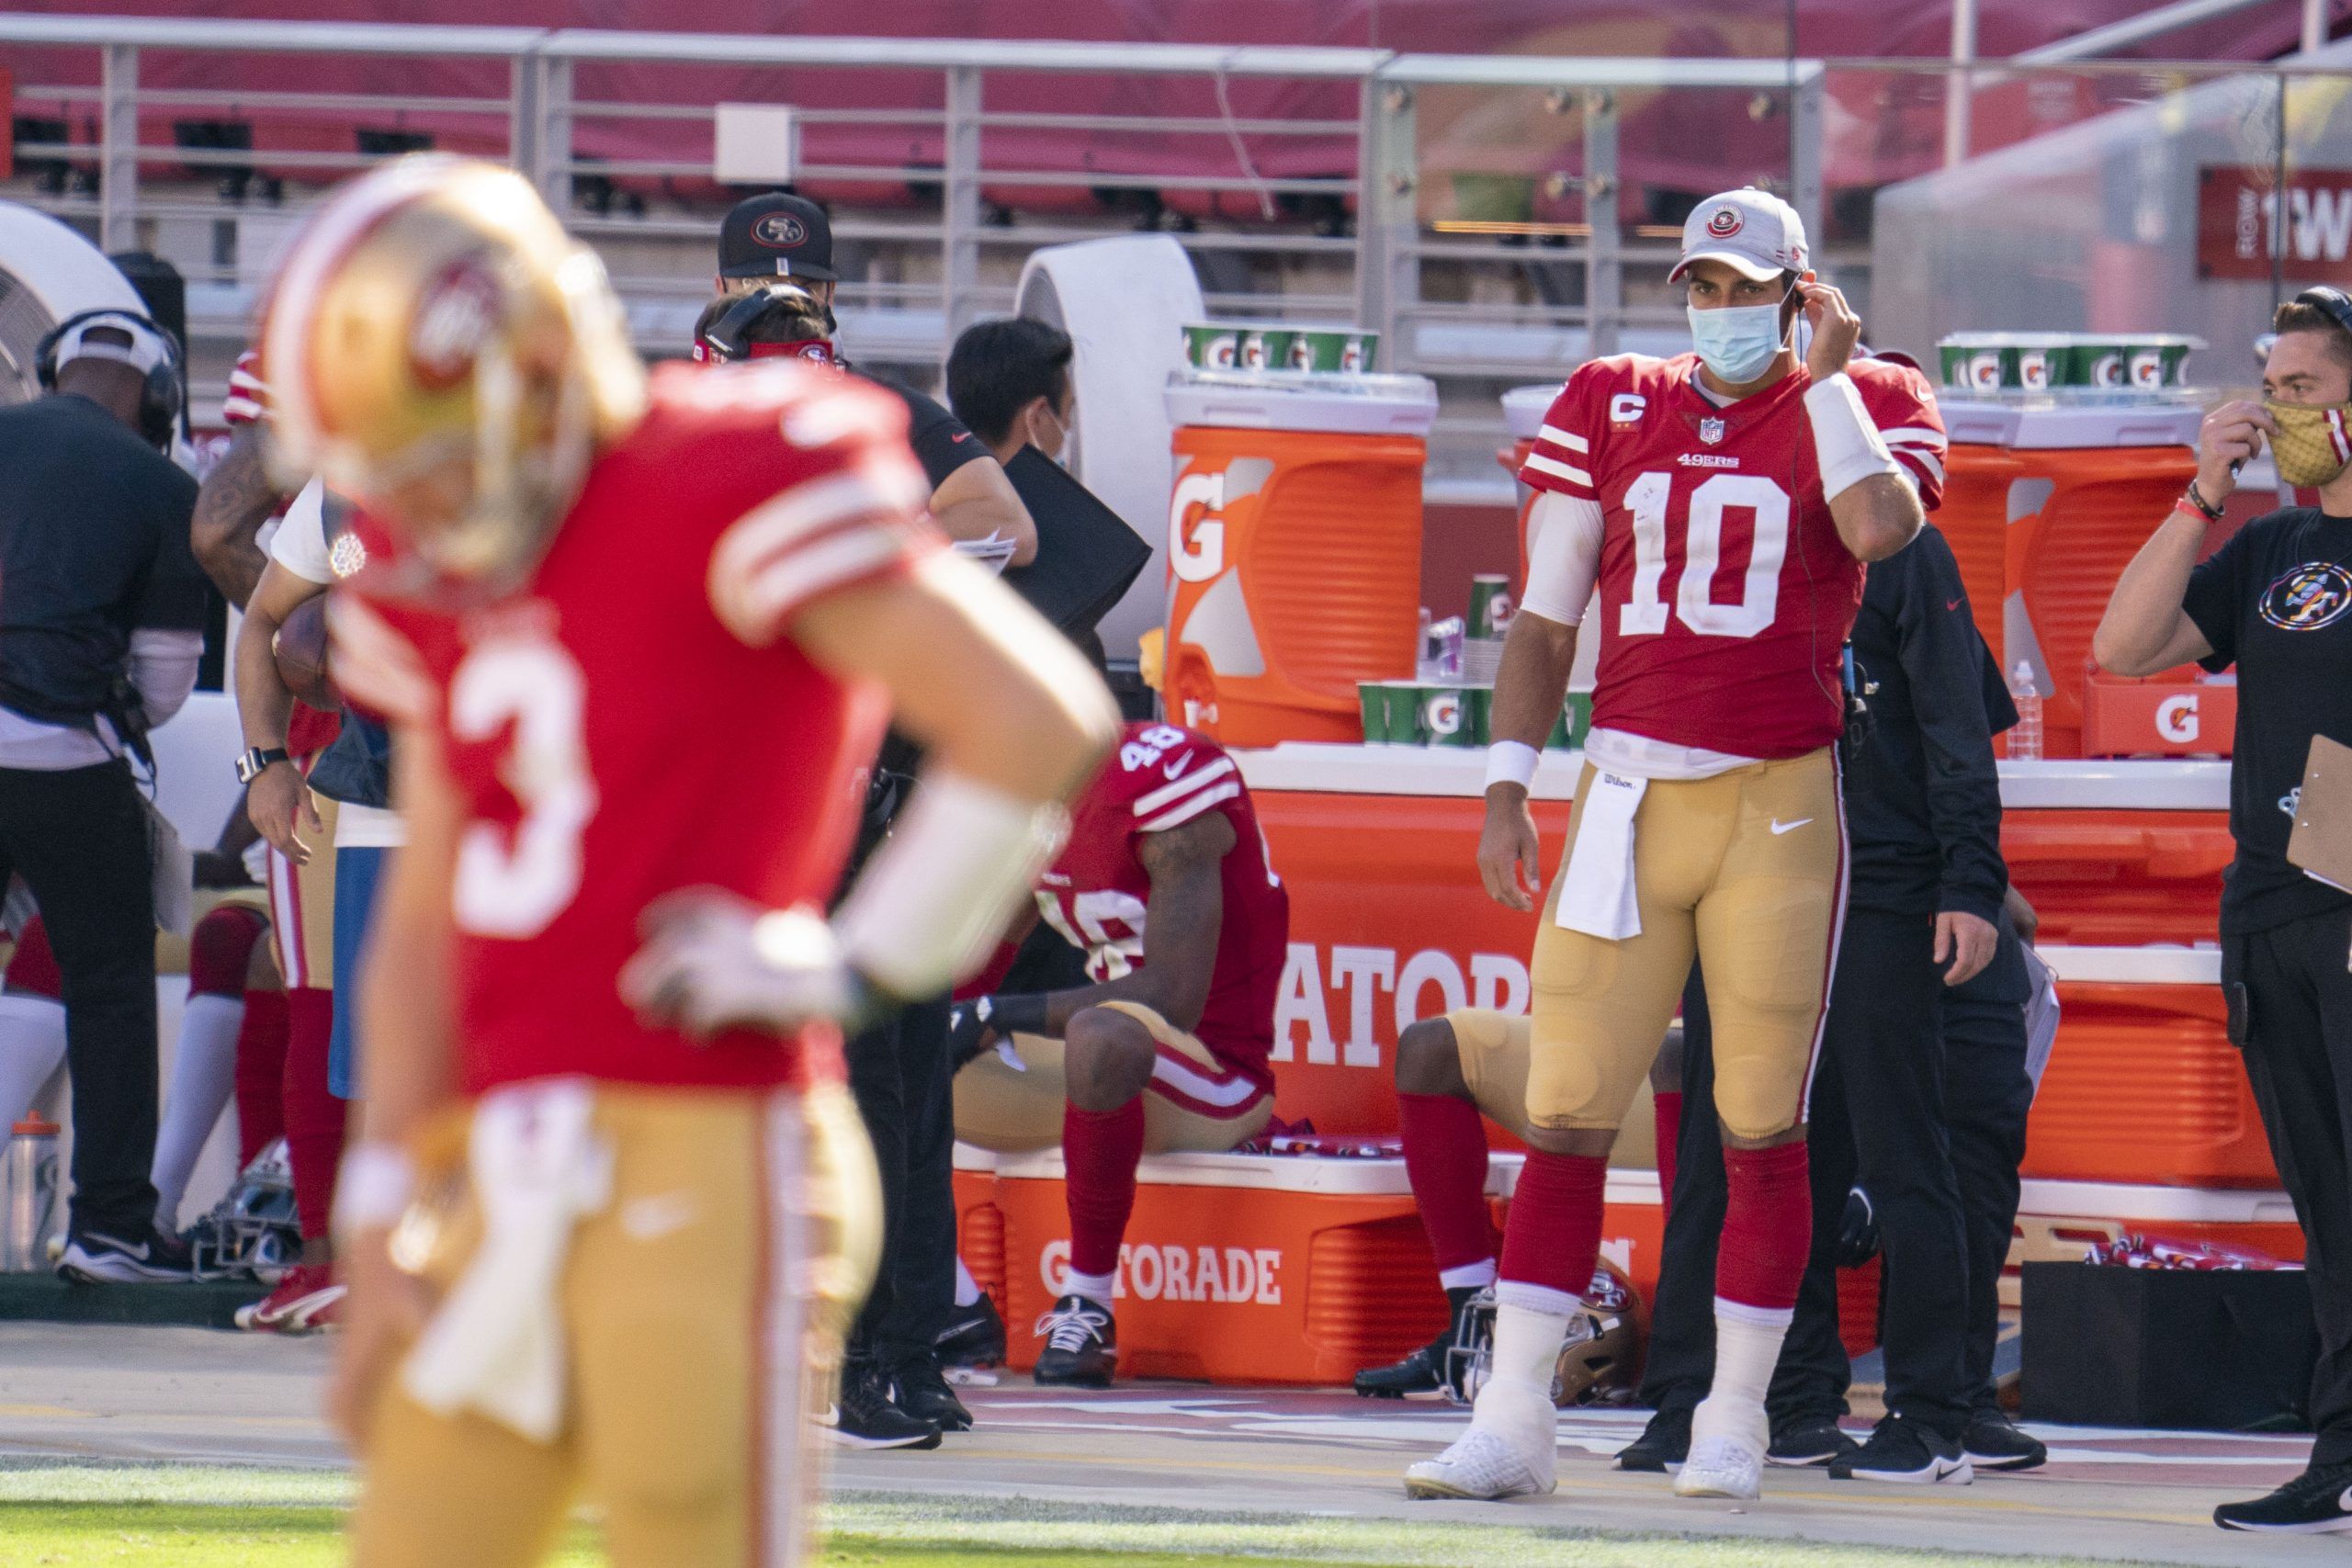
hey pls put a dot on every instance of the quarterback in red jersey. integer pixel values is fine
(1723, 503)
(1166, 887)
(611, 1205)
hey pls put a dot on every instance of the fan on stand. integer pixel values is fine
(47, 272)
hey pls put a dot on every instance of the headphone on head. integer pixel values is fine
(2335, 301)
(160, 398)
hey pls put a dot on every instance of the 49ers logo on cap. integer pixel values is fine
(455, 315)
(1725, 223)
(780, 231)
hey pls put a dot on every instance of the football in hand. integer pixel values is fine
(301, 650)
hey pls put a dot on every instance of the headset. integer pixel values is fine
(160, 400)
(2335, 301)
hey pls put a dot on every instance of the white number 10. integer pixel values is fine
(1644, 612)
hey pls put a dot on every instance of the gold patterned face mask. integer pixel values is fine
(2314, 441)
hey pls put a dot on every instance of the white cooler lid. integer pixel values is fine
(2052, 426)
(1333, 404)
(1524, 407)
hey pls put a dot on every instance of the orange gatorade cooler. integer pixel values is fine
(1293, 548)
(2062, 496)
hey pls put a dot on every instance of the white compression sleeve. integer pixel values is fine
(958, 862)
(1563, 560)
(1848, 445)
(204, 1071)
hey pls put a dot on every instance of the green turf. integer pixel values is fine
(61, 1513)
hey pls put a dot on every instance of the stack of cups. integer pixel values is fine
(1490, 612)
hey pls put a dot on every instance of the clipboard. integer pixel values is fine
(2320, 841)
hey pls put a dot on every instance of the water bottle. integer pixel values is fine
(2025, 737)
(30, 1171)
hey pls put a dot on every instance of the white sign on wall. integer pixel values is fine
(756, 144)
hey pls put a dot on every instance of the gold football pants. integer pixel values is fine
(1746, 869)
(703, 1312)
(1194, 1104)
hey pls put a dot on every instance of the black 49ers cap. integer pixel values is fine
(776, 235)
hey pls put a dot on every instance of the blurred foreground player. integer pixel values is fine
(1166, 887)
(1723, 503)
(662, 1214)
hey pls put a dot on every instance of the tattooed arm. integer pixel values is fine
(236, 500)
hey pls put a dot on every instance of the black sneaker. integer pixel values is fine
(1816, 1441)
(920, 1391)
(974, 1336)
(1904, 1451)
(1994, 1442)
(863, 1417)
(1081, 1344)
(1434, 1368)
(126, 1255)
(1664, 1444)
(2315, 1503)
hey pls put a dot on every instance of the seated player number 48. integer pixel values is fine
(1167, 887)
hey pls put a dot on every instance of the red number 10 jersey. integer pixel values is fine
(1726, 592)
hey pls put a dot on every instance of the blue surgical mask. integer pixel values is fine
(1737, 342)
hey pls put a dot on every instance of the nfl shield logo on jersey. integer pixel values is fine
(1710, 430)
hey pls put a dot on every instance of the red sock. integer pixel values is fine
(1666, 1107)
(1767, 1226)
(1445, 1160)
(261, 1075)
(1552, 1237)
(221, 949)
(1099, 1150)
(313, 1115)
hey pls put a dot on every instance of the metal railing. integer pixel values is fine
(1336, 206)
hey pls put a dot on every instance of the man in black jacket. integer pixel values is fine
(1923, 917)
(101, 625)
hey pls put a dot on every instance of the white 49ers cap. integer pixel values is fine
(1754, 231)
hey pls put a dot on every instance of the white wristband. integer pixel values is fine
(1511, 762)
(1848, 444)
(939, 892)
(373, 1187)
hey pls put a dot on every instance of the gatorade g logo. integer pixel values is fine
(2107, 370)
(1443, 713)
(1195, 531)
(1223, 351)
(780, 232)
(2147, 368)
(2033, 368)
(2176, 718)
(1725, 223)
(1985, 371)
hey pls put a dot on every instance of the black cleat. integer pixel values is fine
(126, 1255)
(1816, 1441)
(1994, 1442)
(2317, 1502)
(1664, 1444)
(863, 1417)
(1081, 1345)
(1435, 1368)
(974, 1336)
(1906, 1453)
(923, 1392)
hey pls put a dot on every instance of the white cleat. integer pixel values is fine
(1727, 1457)
(1508, 1451)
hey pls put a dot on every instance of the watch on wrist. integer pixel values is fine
(256, 759)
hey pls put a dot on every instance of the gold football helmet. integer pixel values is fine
(440, 351)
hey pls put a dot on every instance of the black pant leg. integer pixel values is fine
(1891, 1050)
(876, 1084)
(79, 840)
(1809, 1383)
(1681, 1352)
(923, 1263)
(2294, 978)
(1987, 1098)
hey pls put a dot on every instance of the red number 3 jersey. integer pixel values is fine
(638, 719)
(1726, 592)
(1097, 894)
